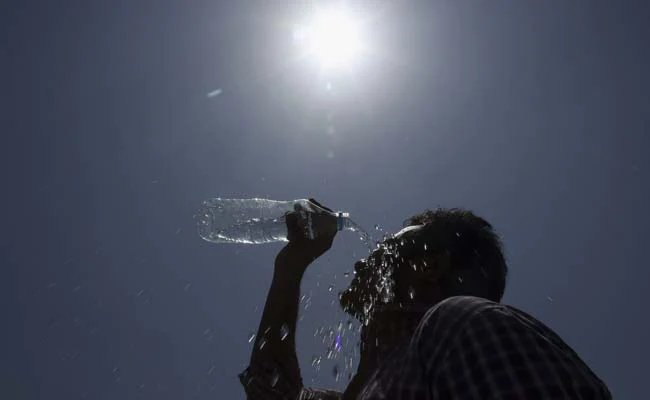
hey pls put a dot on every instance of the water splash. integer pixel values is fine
(315, 361)
(214, 93)
(275, 378)
(284, 332)
(337, 342)
(336, 372)
(411, 292)
(365, 237)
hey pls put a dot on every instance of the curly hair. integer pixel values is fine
(478, 266)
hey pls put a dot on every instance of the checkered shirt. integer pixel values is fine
(463, 348)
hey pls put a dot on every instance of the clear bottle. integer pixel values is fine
(257, 221)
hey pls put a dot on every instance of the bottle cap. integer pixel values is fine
(341, 217)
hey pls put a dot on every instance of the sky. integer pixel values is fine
(120, 117)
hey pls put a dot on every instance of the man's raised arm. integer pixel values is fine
(274, 372)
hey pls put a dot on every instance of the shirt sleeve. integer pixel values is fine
(268, 382)
(498, 352)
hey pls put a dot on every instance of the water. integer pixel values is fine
(284, 332)
(258, 221)
(340, 341)
(252, 231)
(249, 221)
(369, 240)
(341, 349)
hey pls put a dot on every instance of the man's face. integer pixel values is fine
(388, 275)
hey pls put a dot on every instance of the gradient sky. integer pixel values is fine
(535, 114)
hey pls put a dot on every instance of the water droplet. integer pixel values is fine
(336, 372)
(425, 247)
(411, 292)
(337, 343)
(460, 279)
(274, 378)
(262, 342)
(458, 234)
(330, 288)
(284, 331)
(346, 274)
(549, 298)
(251, 337)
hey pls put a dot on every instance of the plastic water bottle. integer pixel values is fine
(256, 221)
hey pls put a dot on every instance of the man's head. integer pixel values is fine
(439, 254)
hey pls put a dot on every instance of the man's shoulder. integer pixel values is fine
(457, 312)
(462, 302)
(500, 336)
(452, 315)
(458, 308)
(463, 316)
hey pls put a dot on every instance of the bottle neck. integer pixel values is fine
(343, 221)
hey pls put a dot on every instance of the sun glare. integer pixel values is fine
(332, 38)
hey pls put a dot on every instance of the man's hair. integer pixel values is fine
(478, 267)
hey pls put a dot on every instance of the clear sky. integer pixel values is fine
(120, 117)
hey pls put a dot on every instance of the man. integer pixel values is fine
(433, 328)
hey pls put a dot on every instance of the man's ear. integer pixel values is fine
(438, 266)
(427, 288)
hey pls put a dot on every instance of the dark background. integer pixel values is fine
(532, 113)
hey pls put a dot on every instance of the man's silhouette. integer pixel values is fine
(433, 327)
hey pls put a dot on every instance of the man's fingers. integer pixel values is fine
(294, 232)
(311, 225)
(313, 201)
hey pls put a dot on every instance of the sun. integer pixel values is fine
(331, 37)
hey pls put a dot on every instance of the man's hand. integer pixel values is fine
(302, 249)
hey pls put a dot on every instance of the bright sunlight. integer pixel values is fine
(332, 38)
